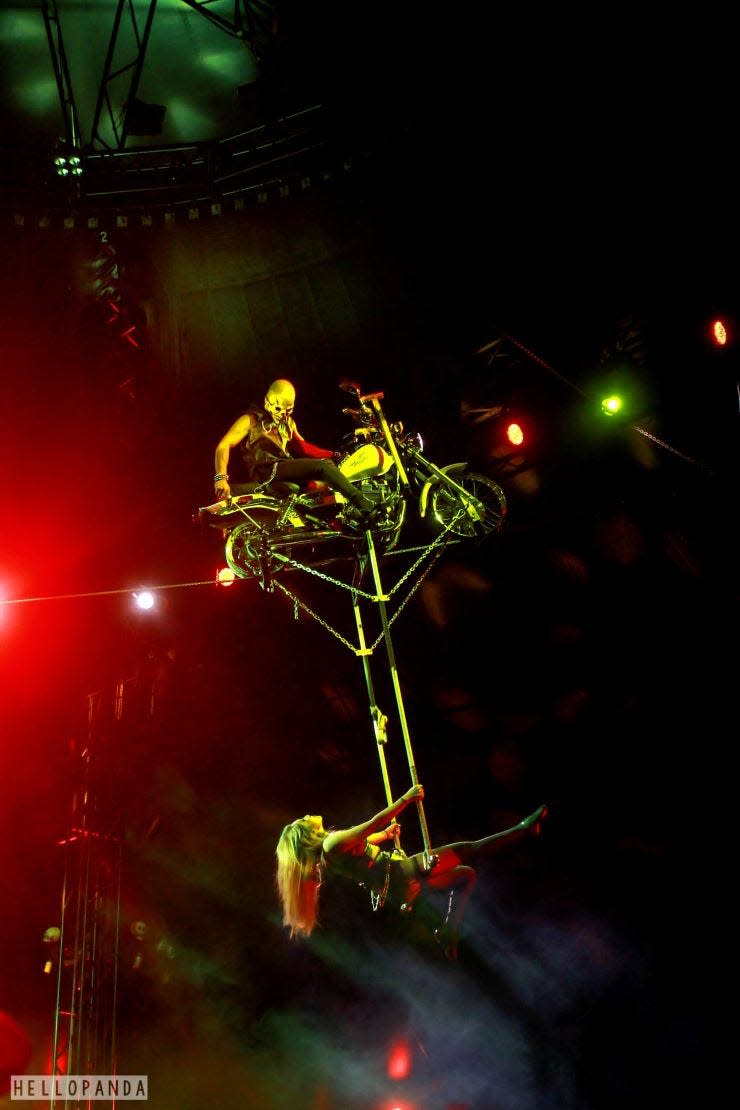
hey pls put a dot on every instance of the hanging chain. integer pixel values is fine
(377, 898)
(425, 551)
(298, 604)
(679, 454)
(411, 550)
(433, 551)
(291, 564)
(402, 605)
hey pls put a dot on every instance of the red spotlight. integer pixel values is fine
(514, 433)
(144, 599)
(718, 332)
(399, 1059)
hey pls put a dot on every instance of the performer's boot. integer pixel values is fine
(529, 826)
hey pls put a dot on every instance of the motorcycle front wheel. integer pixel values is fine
(478, 509)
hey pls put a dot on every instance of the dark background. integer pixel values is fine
(510, 186)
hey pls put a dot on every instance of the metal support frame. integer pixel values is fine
(293, 151)
(70, 118)
(136, 67)
(252, 23)
(378, 718)
(84, 1032)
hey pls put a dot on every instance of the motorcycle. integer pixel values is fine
(271, 526)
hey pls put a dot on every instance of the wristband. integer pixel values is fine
(220, 477)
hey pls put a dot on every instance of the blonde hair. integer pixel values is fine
(298, 875)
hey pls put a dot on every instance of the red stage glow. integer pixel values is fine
(15, 1050)
(399, 1059)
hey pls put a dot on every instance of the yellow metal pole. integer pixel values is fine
(380, 600)
(378, 719)
(389, 438)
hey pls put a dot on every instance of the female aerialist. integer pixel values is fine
(306, 852)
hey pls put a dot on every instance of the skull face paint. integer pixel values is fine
(280, 400)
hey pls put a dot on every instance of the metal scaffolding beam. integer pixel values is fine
(70, 119)
(132, 68)
(84, 1032)
(253, 23)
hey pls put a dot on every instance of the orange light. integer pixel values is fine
(515, 434)
(718, 332)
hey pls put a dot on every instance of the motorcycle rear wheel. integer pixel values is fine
(247, 548)
(480, 511)
(259, 548)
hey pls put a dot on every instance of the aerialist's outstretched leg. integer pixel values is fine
(451, 854)
(450, 871)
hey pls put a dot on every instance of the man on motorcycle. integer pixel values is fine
(269, 441)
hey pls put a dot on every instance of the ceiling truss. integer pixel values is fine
(117, 171)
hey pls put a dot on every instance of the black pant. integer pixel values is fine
(320, 470)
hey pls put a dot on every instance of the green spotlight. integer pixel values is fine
(611, 405)
(67, 161)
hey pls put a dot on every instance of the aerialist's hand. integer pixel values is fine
(413, 793)
(393, 830)
(223, 489)
(375, 829)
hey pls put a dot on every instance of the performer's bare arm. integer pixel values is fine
(348, 840)
(235, 434)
